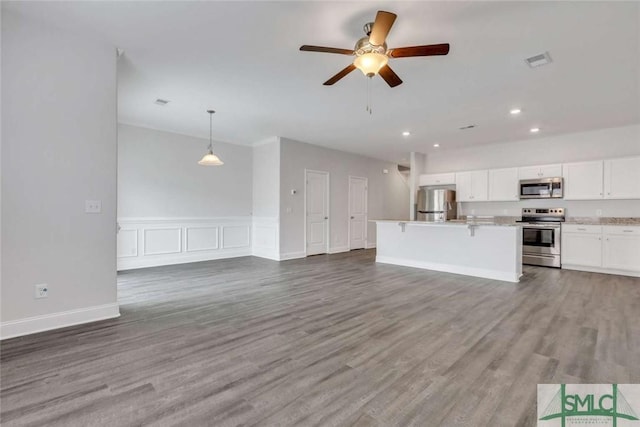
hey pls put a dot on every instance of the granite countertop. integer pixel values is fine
(587, 220)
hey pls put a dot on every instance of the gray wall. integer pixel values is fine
(388, 193)
(266, 179)
(573, 147)
(58, 150)
(158, 176)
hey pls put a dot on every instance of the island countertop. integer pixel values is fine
(454, 223)
(488, 250)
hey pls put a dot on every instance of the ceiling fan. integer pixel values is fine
(372, 54)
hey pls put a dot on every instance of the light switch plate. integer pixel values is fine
(93, 206)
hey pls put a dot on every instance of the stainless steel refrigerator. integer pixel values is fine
(436, 204)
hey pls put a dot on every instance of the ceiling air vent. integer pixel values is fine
(161, 102)
(538, 60)
(467, 127)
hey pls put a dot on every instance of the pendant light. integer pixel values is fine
(210, 159)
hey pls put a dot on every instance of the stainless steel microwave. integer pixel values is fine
(542, 188)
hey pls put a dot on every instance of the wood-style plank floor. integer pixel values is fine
(327, 340)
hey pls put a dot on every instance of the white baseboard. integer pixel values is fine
(455, 269)
(339, 249)
(182, 258)
(601, 270)
(291, 255)
(32, 325)
(274, 256)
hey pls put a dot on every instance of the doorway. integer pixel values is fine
(316, 207)
(358, 188)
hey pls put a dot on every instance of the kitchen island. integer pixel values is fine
(492, 251)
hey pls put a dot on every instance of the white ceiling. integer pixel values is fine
(242, 59)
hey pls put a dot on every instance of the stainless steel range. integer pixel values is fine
(541, 236)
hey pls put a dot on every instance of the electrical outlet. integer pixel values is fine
(42, 290)
(93, 206)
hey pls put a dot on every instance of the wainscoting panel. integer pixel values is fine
(202, 239)
(266, 237)
(236, 236)
(160, 241)
(127, 243)
(166, 241)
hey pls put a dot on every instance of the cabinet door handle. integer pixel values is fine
(582, 229)
(628, 231)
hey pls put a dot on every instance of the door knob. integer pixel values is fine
(326, 217)
(352, 217)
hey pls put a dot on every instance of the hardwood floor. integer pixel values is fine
(327, 340)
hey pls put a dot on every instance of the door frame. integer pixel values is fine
(327, 201)
(366, 215)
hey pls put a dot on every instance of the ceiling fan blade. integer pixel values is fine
(308, 48)
(427, 50)
(381, 27)
(390, 76)
(340, 75)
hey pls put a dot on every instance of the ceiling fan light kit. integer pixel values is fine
(370, 63)
(210, 159)
(372, 55)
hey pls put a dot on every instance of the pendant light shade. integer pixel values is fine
(210, 159)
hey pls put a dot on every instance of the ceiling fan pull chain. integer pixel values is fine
(369, 96)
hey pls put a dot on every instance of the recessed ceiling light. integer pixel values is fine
(515, 111)
(436, 145)
(406, 133)
(534, 130)
(161, 102)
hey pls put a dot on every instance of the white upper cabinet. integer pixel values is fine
(437, 179)
(503, 184)
(472, 186)
(583, 181)
(622, 178)
(544, 171)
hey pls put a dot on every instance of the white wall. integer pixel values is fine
(417, 165)
(582, 146)
(58, 150)
(266, 199)
(158, 176)
(173, 210)
(388, 193)
(266, 179)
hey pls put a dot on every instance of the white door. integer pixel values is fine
(583, 181)
(622, 249)
(503, 184)
(317, 212)
(480, 186)
(582, 249)
(463, 187)
(357, 212)
(622, 178)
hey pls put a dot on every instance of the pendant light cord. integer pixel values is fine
(210, 131)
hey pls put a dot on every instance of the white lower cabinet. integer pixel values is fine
(607, 249)
(621, 249)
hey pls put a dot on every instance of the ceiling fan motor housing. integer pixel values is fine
(364, 46)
